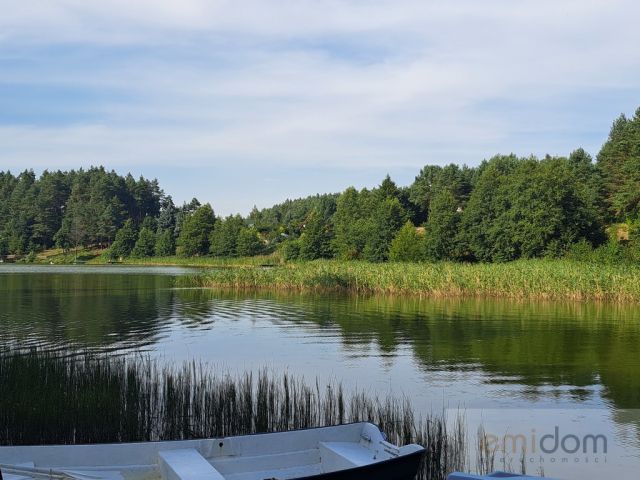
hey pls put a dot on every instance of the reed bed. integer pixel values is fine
(48, 398)
(523, 279)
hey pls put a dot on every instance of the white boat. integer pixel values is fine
(353, 451)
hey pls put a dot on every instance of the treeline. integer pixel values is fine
(71, 208)
(504, 209)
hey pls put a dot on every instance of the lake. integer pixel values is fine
(494, 359)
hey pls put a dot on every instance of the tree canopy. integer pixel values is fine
(504, 209)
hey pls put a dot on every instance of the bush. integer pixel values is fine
(290, 249)
(610, 253)
(407, 245)
(581, 251)
(249, 243)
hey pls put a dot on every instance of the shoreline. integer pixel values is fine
(533, 279)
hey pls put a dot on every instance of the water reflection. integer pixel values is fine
(587, 353)
(475, 353)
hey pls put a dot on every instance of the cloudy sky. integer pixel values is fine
(250, 102)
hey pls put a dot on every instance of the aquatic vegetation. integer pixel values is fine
(539, 279)
(50, 398)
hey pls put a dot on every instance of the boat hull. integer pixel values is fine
(401, 468)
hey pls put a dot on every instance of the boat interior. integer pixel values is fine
(286, 455)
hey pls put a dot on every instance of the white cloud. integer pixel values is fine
(325, 83)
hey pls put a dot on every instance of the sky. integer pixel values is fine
(244, 102)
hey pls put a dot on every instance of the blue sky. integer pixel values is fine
(251, 102)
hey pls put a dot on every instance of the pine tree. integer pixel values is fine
(315, 241)
(145, 245)
(224, 237)
(619, 164)
(195, 232)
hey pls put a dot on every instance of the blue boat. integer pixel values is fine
(471, 476)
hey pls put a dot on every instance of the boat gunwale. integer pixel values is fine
(142, 442)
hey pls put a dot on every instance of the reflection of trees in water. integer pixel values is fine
(629, 422)
(84, 310)
(543, 345)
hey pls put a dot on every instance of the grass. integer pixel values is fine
(52, 398)
(97, 256)
(523, 279)
(219, 262)
(58, 256)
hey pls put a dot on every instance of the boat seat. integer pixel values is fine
(186, 464)
(339, 455)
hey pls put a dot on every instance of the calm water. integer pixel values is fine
(478, 354)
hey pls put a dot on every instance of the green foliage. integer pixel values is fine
(315, 241)
(506, 209)
(634, 241)
(183, 212)
(146, 243)
(71, 209)
(387, 219)
(366, 222)
(528, 208)
(407, 245)
(609, 253)
(290, 249)
(111, 217)
(167, 216)
(351, 223)
(249, 243)
(165, 244)
(195, 232)
(619, 164)
(125, 241)
(289, 217)
(433, 179)
(224, 237)
(443, 228)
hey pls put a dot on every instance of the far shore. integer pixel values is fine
(535, 279)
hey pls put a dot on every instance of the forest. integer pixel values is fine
(505, 209)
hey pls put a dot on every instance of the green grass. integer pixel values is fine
(52, 398)
(96, 256)
(58, 256)
(523, 279)
(261, 260)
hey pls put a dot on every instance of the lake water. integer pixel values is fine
(514, 358)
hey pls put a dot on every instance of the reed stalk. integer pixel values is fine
(51, 398)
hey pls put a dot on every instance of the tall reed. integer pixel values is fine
(523, 279)
(48, 398)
